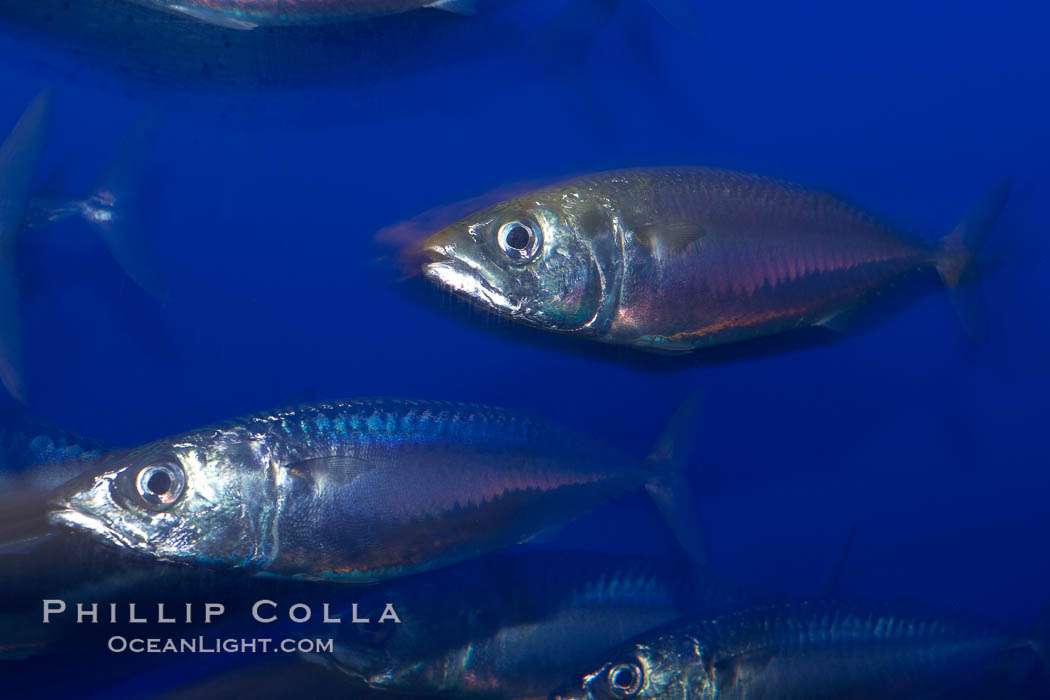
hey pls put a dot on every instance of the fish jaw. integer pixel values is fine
(457, 271)
(462, 282)
(562, 289)
(82, 505)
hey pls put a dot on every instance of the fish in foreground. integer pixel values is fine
(514, 624)
(810, 651)
(674, 259)
(362, 490)
(108, 208)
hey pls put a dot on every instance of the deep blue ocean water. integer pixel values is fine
(264, 187)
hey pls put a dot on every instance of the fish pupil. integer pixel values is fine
(624, 678)
(159, 482)
(518, 237)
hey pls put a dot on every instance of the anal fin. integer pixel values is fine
(214, 17)
(840, 322)
(458, 7)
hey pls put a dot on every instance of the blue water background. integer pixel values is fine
(263, 202)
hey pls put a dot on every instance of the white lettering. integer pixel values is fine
(213, 609)
(291, 612)
(389, 614)
(49, 608)
(259, 604)
(327, 615)
(81, 613)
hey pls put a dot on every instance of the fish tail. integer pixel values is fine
(111, 208)
(956, 256)
(678, 13)
(669, 488)
(19, 155)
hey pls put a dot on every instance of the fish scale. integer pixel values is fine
(358, 490)
(511, 624)
(675, 259)
(813, 650)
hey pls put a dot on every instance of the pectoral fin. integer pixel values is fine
(321, 472)
(669, 237)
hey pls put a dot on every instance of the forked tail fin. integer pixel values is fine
(957, 252)
(112, 210)
(19, 155)
(670, 488)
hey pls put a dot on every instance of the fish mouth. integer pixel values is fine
(80, 521)
(466, 280)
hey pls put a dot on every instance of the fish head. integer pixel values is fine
(542, 259)
(171, 501)
(644, 669)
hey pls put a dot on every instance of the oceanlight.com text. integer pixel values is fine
(216, 645)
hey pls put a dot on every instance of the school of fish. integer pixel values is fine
(443, 509)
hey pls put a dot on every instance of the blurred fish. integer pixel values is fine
(674, 259)
(810, 651)
(514, 624)
(18, 157)
(249, 14)
(363, 490)
(27, 440)
(35, 458)
(108, 208)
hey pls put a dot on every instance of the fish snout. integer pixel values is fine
(80, 505)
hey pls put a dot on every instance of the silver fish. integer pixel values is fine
(359, 490)
(109, 209)
(249, 14)
(811, 651)
(515, 623)
(674, 259)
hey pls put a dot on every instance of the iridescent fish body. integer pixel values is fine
(810, 651)
(674, 259)
(514, 624)
(249, 14)
(353, 490)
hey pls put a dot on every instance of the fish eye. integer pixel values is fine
(625, 680)
(160, 484)
(519, 239)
